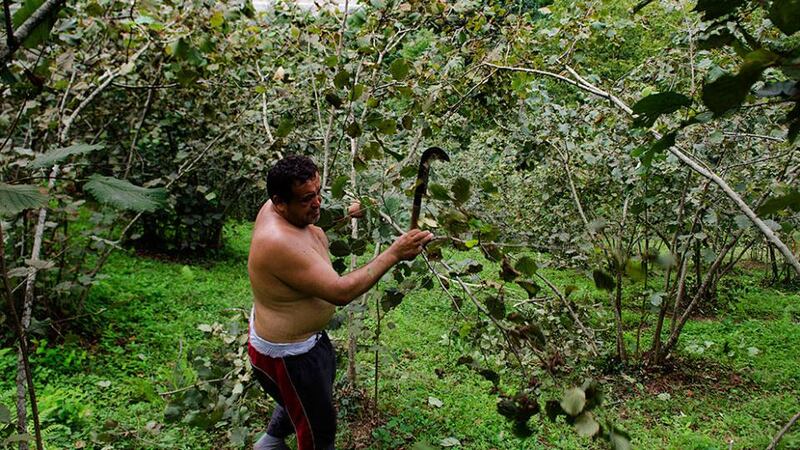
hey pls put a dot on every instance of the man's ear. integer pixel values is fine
(278, 202)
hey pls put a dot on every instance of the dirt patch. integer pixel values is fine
(360, 417)
(690, 378)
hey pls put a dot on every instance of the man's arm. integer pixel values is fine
(306, 271)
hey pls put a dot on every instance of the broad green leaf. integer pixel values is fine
(789, 200)
(333, 100)
(603, 280)
(17, 198)
(42, 31)
(285, 127)
(387, 126)
(353, 130)
(712, 9)
(391, 299)
(594, 394)
(530, 287)
(339, 248)
(619, 439)
(729, 91)
(438, 192)
(53, 156)
(496, 306)
(342, 79)
(507, 272)
(586, 426)
(337, 188)
(785, 14)
(461, 190)
(408, 122)
(651, 107)
(399, 69)
(124, 195)
(527, 266)
(553, 409)
(574, 401)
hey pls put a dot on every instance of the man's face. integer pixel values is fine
(303, 209)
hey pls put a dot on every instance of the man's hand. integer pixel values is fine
(355, 211)
(409, 245)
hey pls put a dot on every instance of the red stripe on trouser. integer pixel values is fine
(276, 369)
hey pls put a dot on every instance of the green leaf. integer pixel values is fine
(399, 69)
(729, 91)
(527, 266)
(387, 126)
(790, 200)
(712, 9)
(333, 100)
(59, 154)
(124, 195)
(42, 31)
(438, 192)
(496, 306)
(586, 426)
(15, 198)
(285, 127)
(353, 130)
(785, 14)
(391, 299)
(408, 122)
(461, 190)
(339, 248)
(342, 79)
(619, 439)
(603, 280)
(337, 189)
(530, 287)
(553, 409)
(651, 107)
(574, 401)
(507, 272)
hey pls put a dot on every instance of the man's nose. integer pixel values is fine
(317, 201)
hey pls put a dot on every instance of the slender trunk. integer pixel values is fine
(621, 352)
(353, 332)
(773, 262)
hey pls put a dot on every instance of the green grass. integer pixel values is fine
(146, 316)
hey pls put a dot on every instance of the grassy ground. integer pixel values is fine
(737, 380)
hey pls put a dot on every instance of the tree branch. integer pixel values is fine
(40, 15)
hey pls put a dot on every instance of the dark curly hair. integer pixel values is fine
(288, 171)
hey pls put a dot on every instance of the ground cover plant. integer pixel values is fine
(617, 221)
(152, 317)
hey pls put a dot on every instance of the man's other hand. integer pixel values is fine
(355, 211)
(410, 244)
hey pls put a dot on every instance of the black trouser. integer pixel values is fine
(302, 385)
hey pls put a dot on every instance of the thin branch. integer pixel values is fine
(586, 332)
(109, 77)
(41, 14)
(10, 41)
(783, 431)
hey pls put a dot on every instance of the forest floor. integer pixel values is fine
(735, 383)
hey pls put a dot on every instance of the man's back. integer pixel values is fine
(283, 313)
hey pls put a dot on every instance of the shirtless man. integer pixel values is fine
(295, 293)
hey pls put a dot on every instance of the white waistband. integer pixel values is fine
(278, 350)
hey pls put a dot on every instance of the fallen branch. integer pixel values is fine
(783, 431)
